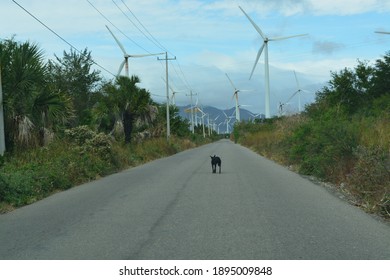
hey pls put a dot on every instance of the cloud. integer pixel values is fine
(347, 7)
(326, 47)
(318, 7)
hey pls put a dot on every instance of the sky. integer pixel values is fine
(209, 39)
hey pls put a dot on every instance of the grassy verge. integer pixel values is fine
(80, 157)
(351, 153)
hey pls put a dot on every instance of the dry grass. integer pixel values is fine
(376, 133)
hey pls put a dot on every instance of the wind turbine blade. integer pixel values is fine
(121, 67)
(292, 96)
(257, 59)
(230, 81)
(296, 79)
(233, 113)
(254, 24)
(286, 37)
(143, 55)
(382, 32)
(117, 41)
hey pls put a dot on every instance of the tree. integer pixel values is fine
(179, 126)
(350, 90)
(74, 76)
(381, 79)
(123, 100)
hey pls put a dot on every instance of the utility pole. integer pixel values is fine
(2, 137)
(167, 90)
(192, 113)
(203, 115)
(208, 123)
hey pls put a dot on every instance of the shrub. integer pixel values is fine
(79, 134)
(323, 147)
(100, 144)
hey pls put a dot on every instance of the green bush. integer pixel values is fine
(322, 147)
(82, 156)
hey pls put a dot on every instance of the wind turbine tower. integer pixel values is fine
(266, 65)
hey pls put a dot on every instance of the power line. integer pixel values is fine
(130, 20)
(184, 76)
(144, 26)
(151, 38)
(134, 42)
(55, 33)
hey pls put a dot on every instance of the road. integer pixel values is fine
(175, 208)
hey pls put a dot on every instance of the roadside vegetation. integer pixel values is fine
(342, 138)
(65, 124)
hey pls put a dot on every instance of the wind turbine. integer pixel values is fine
(214, 122)
(227, 121)
(266, 65)
(281, 107)
(218, 126)
(203, 115)
(254, 116)
(299, 91)
(173, 93)
(235, 95)
(125, 62)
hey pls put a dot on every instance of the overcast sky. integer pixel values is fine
(209, 39)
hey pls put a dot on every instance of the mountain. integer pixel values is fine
(218, 117)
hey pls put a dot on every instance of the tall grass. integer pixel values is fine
(80, 157)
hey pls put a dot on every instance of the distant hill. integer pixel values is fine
(218, 117)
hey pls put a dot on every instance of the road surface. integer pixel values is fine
(175, 208)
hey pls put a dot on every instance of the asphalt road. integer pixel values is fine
(175, 208)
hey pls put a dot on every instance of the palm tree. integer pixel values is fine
(29, 105)
(51, 111)
(123, 101)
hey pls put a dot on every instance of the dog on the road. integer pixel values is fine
(214, 162)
